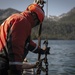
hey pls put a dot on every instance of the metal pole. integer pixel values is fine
(39, 44)
(47, 9)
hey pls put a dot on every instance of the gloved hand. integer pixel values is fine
(46, 50)
(36, 64)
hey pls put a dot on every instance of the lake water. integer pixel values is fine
(61, 59)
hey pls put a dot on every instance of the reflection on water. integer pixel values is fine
(61, 58)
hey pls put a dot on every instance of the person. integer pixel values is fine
(15, 39)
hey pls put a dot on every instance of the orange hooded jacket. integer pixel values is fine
(15, 34)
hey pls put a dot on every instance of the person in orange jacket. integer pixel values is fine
(15, 41)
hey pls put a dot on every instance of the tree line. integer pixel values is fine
(56, 30)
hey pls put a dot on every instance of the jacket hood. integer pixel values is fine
(27, 14)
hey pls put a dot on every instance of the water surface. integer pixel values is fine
(61, 59)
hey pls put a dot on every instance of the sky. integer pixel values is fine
(55, 7)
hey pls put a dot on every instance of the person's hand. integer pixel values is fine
(36, 64)
(46, 50)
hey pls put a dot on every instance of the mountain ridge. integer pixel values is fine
(57, 18)
(54, 27)
(4, 13)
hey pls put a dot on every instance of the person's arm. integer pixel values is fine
(27, 65)
(33, 47)
(24, 65)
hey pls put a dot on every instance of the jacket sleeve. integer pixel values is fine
(33, 47)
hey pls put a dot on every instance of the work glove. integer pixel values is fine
(46, 50)
(36, 64)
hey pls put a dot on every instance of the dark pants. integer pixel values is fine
(14, 72)
(3, 72)
(8, 72)
(4, 65)
(4, 68)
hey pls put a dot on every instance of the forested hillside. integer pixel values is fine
(63, 28)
